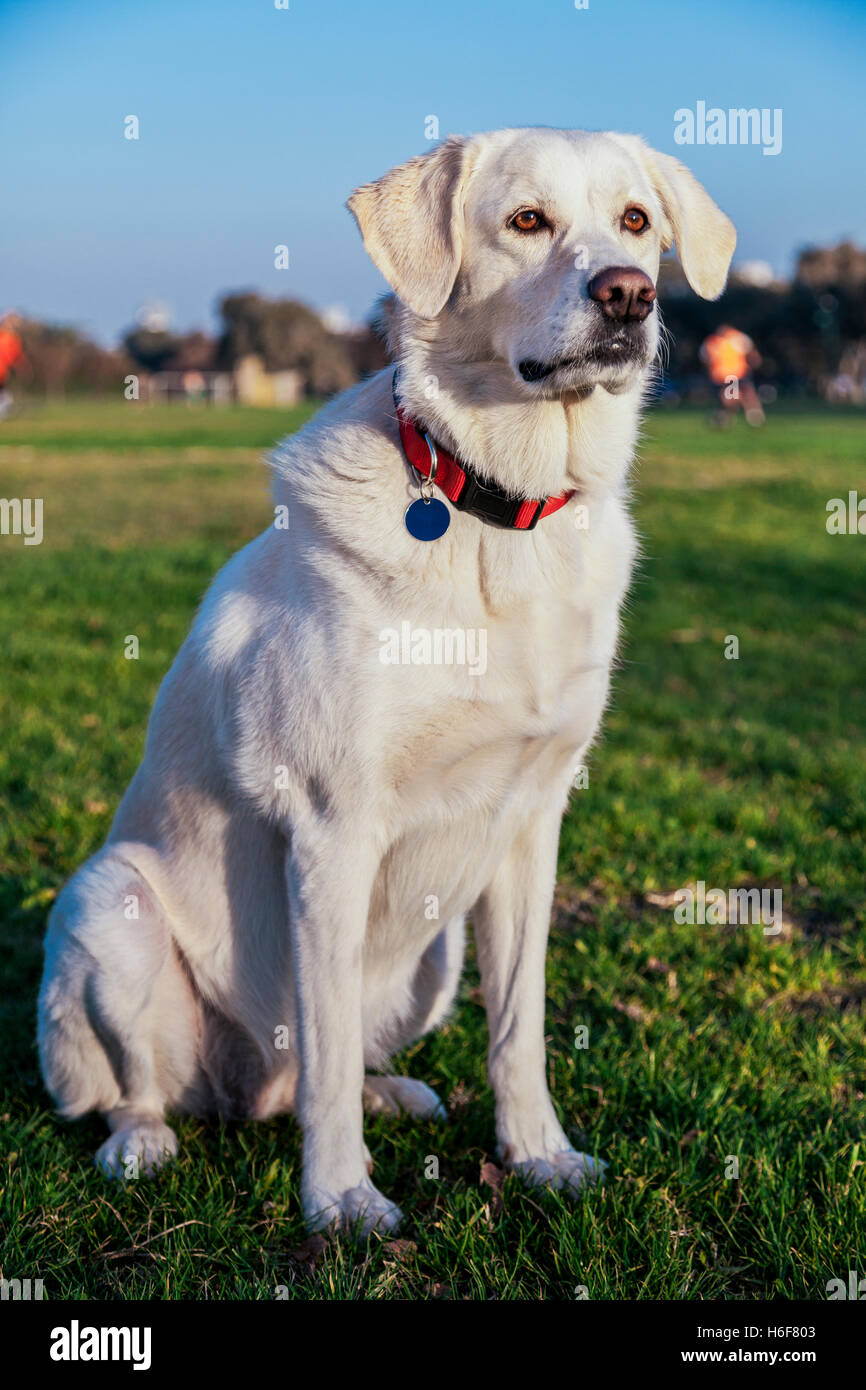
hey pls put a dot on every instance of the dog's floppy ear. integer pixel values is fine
(412, 224)
(705, 237)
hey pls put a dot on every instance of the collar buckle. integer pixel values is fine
(492, 503)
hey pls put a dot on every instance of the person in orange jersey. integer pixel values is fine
(730, 358)
(11, 357)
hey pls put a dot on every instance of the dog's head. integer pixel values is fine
(542, 247)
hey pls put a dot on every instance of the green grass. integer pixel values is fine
(704, 1041)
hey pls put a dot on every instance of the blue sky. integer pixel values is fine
(256, 123)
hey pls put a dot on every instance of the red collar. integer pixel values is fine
(464, 488)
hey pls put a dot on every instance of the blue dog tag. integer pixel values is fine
(427, 519)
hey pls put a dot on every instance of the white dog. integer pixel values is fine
(328, 786)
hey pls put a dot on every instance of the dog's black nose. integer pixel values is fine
(624, 293)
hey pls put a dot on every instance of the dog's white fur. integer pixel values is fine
(300, 804)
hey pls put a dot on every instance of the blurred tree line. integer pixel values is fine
(807, 331)
(283, 333)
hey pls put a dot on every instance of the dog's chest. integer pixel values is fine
(483, 753)
(504, 710)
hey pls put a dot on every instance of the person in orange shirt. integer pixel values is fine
(730, 357)
(11, 356)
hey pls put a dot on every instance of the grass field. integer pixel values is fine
(704, 1041)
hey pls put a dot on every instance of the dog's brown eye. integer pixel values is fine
(634, 220)
(528, 220)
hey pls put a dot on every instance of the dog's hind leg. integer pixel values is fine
(437, 977)
(433, 990)
(117, 1024)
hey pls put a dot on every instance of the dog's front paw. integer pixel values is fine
(363, 1209)
(137, 1151)
(568, 1170)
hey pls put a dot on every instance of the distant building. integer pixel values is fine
(254, 385)
(192, 374)
(271, 353)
